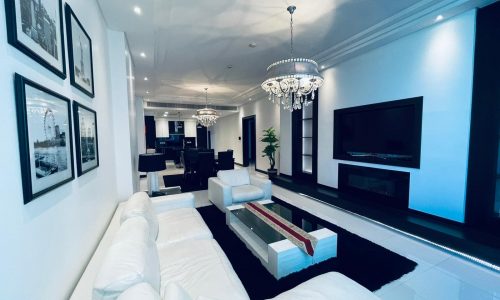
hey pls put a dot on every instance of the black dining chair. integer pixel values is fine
(190, 163)
(225, 160)
(205, 168)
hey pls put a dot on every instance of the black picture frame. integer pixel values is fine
(82, 164)
(74, 70)
(32, 51)
(42, 161)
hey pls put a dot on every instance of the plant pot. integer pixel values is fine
(272, 173)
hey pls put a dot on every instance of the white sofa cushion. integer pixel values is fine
(133, 230)
(201, 268)
(247, 192)
(127, 263)
(235, 177)
(140, 291)
(328, 286)
(139, 204)
(181, 224)
(174, 291)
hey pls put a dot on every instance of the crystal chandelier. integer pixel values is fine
(289, 81)
(206, 116)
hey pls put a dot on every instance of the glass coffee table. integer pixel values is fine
(276, 253)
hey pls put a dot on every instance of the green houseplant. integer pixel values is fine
(270, 138)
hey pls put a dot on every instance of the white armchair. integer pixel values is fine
(237, 186)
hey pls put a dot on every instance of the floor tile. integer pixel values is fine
(472, 274)
(436, 284)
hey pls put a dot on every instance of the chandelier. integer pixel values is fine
(289, 81)
(206, 116)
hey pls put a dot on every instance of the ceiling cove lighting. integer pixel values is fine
(291, 80)
(137, 10)
(206, 116)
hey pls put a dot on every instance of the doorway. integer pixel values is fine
(201, 136)
(249, 149)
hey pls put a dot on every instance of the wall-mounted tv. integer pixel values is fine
(383, 133)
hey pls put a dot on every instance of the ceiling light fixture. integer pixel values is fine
(143, 54)
(207, 116)
(138, 10)
(145, 79)
(439, 18)
(291, 80)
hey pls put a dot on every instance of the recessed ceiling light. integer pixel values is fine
(439, 18)
(138, 10)
(145, 79)
(322, 66)
(147, 92)
(252, 45)
(143, 54)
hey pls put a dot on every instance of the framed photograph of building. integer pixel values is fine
(87, 150)
(35, 27)
(45, 140)
(81, 68)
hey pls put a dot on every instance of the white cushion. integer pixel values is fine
(235, 177)
(201, 268)
(133, 230)
(328, 286)
(141, 291)
(139, 204)
(181, 224)
(127, 263)
(174, 291)
(246, 192)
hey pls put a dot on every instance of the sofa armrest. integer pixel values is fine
(330, 285)
(219, 193)
(170, 202)
(264, 184)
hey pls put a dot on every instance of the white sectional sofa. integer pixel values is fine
(161, 248)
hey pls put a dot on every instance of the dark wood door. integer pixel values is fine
(201, 136)
(249, 140)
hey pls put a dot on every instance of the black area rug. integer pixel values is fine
(186, 185)
(367, 263)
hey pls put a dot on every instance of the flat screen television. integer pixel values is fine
(384, 133)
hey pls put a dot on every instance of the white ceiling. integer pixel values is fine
(189, 43)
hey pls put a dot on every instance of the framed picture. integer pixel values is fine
(35, 27)
(45, 140)
(87, 150)
(81, 68)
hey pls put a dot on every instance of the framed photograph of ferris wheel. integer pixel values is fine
(45, 139)
(86, 144)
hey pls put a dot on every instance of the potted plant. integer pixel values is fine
(270, 138)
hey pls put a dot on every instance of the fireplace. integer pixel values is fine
(384, 187)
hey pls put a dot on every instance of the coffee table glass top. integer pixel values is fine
(266, 232)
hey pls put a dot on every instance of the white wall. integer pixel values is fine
(285, 151)
(140, 126)
(436, 63)
(46, 243)
(123, 111)
(225, 133)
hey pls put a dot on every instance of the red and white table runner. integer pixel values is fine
(294, 234)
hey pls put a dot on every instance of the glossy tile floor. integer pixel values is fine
(439, 275)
